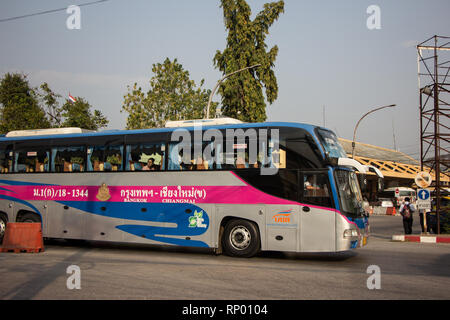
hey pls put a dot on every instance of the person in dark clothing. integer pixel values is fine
(423, 215)
(406, 210)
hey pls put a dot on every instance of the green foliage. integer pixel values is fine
(172, 96)
(78, 160)
(49, 99)
(114, 159)
(19, 106)
(78, 114)
(242, 93)
(23, 107)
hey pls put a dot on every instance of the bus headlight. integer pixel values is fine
(350, 233)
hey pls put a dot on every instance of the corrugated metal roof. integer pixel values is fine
(378, 153)
(391, 163)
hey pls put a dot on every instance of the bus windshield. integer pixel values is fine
(331, 144)
(350, 196)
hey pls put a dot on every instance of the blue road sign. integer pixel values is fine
(423, 194)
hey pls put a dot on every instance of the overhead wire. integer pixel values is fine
(49, 11)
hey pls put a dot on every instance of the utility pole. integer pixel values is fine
(324, 116)
(220, 81)
(359, 121)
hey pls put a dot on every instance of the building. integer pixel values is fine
(399, 169)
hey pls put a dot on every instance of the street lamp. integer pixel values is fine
(354, 132)
(220, 81)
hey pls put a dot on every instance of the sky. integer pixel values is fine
(331, 68)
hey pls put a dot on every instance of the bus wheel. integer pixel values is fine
(241, 239)
(3, 222)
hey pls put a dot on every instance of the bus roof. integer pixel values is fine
(45, 132)
(308, 127)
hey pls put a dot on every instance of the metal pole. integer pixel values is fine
(220, 81)
(437, 160)
(356, 127)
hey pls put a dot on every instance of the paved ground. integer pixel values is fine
(408, 271)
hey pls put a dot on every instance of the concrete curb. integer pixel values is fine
(421, 239)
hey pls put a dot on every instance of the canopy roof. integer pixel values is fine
(391, 163)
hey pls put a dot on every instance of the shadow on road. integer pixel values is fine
(113, 246)
(41, 278)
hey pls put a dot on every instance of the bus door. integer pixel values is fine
(282, 221)
(317, 219)
(282, 228)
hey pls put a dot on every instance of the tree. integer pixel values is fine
(23, 107)
(172, 96)
(78, 114)
(242, 93)
(51, 105)
(19, 106)
(70, 114)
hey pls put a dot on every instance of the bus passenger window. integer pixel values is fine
(180, 157)
(68, 159)
(145, 157)
(105, 158)
(315, 189)
(29, 161)
(279, 158)
(201, 164)
(5, 161)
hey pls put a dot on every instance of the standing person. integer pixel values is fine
(424, 214)
(406, 210)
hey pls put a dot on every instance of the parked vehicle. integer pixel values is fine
(397, 195)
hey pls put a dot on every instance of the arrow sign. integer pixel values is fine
(423, 200)
(423, 194)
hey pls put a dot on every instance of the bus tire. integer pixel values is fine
(3, 222)
(30, 218)
(241, 239)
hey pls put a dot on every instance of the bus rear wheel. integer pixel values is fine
(3, 222)
(241, 239)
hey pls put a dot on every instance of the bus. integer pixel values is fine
(299, 193)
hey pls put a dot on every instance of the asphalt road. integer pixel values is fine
(408, 271)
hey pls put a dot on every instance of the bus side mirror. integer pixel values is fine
(380, 184)
(363, 182)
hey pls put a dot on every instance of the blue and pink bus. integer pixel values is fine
(144, 186)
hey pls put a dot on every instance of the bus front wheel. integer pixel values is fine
(241, 239)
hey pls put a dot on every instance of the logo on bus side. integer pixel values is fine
(196, 221)
(282, 217)
(103, 193)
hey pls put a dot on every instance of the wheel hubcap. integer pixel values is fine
(240, 238)
(2, 228)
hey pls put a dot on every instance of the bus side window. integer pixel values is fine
(6, 161)
(315, 189)
(180, 157)
(29, 161)
(105, 158)
(68, 159)
(145, 157)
